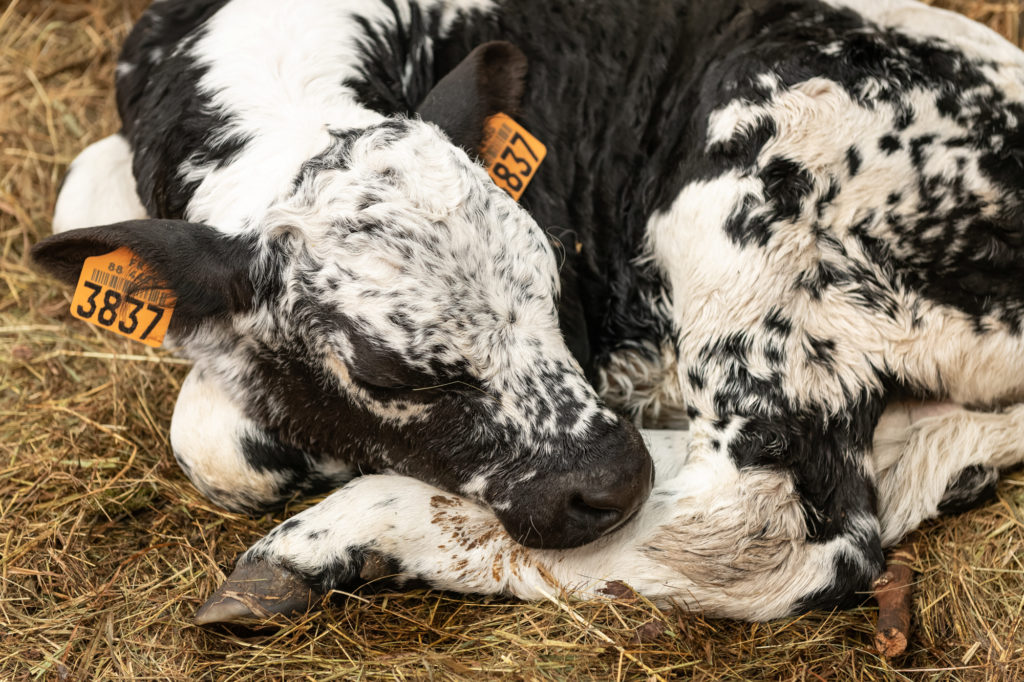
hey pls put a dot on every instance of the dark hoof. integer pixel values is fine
(256, 592)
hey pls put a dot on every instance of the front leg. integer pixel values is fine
(820, 461)
(934, 458)
(713, 537)
(234, 461)
(377, 527)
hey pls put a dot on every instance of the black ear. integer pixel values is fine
(488, 81)
(207, 271)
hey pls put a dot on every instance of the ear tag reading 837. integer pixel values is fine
(511, 154)
(102, 298)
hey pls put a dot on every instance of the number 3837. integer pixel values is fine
(103, 304)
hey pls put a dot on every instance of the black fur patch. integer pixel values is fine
(163, 114)
(361, 566)
(822, 452)
(853, 160)
(973, 486)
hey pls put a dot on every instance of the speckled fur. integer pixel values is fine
(800, 213)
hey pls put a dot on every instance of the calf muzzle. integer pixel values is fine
(571, 508)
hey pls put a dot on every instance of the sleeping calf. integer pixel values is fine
(769, 219)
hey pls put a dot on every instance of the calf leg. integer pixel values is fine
(934, 458)
(235, 462)
(99, 187)
(711, 537)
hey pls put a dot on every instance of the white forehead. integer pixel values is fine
(401, 221)
(408, 177)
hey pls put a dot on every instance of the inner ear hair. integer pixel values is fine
(490, 80)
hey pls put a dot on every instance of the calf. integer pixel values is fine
(771, 220)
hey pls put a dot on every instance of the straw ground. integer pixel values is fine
(106, 550)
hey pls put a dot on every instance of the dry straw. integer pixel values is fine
(106, 550)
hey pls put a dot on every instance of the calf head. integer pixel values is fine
(397, 311)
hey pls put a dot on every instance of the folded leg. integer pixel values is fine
(935, 458)
(232, 460)
(711, 537)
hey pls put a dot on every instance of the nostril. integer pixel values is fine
(597, 511)
(565, 509)
(603, 509)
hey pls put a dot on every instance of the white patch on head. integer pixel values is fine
(408, 228)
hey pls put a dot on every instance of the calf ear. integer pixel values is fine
(489, 80)
(207, 271)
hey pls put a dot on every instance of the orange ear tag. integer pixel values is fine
(511, 154)
(102, 298)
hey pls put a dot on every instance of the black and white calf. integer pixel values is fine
(771, 219)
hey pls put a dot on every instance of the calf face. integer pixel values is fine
(397, 311)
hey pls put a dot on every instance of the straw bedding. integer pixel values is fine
(106, 550)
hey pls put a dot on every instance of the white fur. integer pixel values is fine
(729, 287)
(99, 188)
(206, 431)
(277, 67)
(918, 452)
(645, 389)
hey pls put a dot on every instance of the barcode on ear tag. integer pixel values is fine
(512, 155)
(105, 297)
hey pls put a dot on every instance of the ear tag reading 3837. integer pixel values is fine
(511, 154)
(102, 298)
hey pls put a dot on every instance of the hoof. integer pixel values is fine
(256, 592)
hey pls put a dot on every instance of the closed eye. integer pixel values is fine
(457, 383)
(374, 364)
(388, 372)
